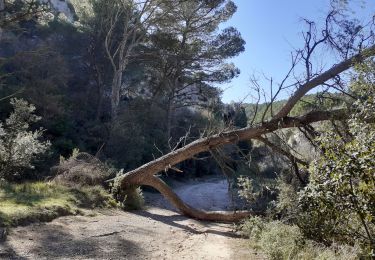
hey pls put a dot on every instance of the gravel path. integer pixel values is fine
(154, 233)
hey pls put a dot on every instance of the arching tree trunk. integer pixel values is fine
(189, 211)
(144, 175)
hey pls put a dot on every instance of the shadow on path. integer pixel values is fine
(54, 243)
(172, 220)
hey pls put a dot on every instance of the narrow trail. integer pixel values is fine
(154, 233)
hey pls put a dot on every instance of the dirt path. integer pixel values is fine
(154, 233)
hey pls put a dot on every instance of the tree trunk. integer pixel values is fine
(144, 175)
(115, 95)
(99, 108)
(189, 211)
(170, 115)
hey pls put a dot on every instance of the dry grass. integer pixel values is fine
(31, 202)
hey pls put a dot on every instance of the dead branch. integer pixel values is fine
(322, 78)
(144, 175)
(293, 160)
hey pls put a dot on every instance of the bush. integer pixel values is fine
(339, 202)
(253, 227)
(93, 197)
(313, 250)
(281, 241)
(82, 169)
(130, 198)
(20, 147)
(246, 189)
(133, 199)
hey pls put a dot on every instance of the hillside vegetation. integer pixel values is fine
(103, 101)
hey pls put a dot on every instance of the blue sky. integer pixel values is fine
(271, 28)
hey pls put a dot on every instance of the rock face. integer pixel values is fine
(64, 7)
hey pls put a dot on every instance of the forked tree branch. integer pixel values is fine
(144, 175)
(322, 78)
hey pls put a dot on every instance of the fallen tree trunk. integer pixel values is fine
(141, 174)
(144, 175)
(189, 211)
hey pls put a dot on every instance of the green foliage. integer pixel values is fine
(339, 202)
(19, 146)
(130, 198)
(281, 241)
(287, 201)
(253, 228)
(92, 197)
(319, 101)
(42, 74)
(138, 135)
(41, 201)
(133, 199)
(246, 189)
(17, 11)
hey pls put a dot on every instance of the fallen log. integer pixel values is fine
(144, 175)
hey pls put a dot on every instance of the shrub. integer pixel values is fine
(93, 197)
(339, 202)
(130, 198)
(286, 207)
(82, 169)
(281, 241)
(246, 189)
(253, 227)
(133, 199)
(20, 147)
(313, 250)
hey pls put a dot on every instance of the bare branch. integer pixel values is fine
(322, 78)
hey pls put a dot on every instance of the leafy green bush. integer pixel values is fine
(133, 199)
(281, 241)
(130, 198)
(339, 202)
(253, 227)
(20, 147)
(93, 197)
(246, 189)
(313, 250)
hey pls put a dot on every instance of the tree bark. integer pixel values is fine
(322, 78)
(144, 175)
(170, 116)
(115, 95)
(189, 211)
